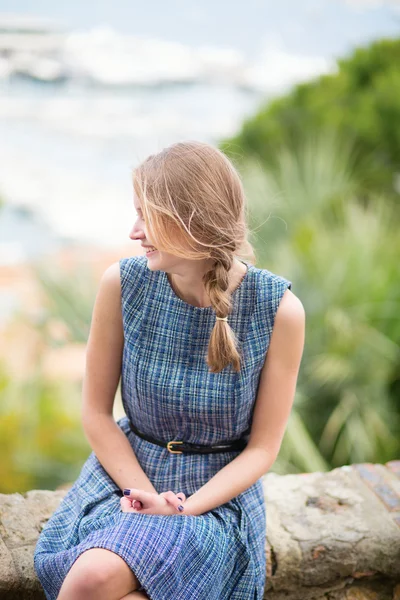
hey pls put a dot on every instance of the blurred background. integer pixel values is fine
(305, 99)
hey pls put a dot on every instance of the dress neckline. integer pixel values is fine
(178, 300)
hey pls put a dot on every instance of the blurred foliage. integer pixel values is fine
(40, 425)
(343, 259)
(69, 299)
(40, 434)
(360, 102)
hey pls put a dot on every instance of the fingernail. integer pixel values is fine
(127, 492)
(180, 507)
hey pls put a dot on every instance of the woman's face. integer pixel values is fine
(139, 229)
(139, 232)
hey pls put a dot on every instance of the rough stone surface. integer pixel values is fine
(330, 536)
(21, 519)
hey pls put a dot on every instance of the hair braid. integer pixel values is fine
(222, 347)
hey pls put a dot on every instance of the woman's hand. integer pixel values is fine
(149, 503)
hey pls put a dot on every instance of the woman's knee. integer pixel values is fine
(103, 573)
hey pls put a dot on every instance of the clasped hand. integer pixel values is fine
(150, 503)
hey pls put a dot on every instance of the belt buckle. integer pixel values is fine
(174, 451)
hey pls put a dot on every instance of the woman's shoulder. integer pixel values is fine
(270, 289)
(133, 273)
(269, 279)
(136, 265)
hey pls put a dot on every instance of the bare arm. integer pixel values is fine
(274, 401)
(102, 374)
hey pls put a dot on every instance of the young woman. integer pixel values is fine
(170, 503)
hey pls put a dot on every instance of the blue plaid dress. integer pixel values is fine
(168, 392)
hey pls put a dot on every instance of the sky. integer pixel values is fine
(328, 28)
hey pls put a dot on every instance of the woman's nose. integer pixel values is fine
(136, 233)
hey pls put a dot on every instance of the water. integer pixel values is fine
(68, 150)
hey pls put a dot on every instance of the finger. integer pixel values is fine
(136, 494)
(163, 494)
(179, 495)
(126, 505)
(174, 500)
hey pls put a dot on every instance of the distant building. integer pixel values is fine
(29, 34)
(31, 47)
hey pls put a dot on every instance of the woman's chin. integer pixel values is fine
(152, 258)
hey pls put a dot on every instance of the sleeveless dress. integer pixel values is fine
(168, 392)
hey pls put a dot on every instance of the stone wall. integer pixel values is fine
(330, 536)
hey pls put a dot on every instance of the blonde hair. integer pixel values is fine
(194, 206)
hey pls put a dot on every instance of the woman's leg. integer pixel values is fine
(98, 574)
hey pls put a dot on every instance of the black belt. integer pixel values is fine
(192, 448)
